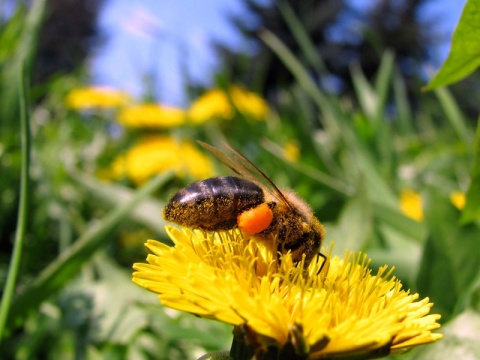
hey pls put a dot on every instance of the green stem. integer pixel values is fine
(22, 208)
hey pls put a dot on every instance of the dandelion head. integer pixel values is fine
(213, 104)
(158, 153)
(219, 104)
(458, 199)
(151, 116)
(276, 304)
(87, 98)
(249, 103)
(291, 151)
(411, 204)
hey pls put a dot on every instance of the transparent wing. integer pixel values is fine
(239, 164)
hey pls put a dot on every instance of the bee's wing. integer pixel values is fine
(248, 170)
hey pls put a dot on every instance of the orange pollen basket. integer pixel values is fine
(256, 219)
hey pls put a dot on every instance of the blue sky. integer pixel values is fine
(160, 37)
(165, 37)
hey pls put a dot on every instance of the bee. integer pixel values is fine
(250, 201)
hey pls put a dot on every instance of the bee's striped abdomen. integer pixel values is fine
(213, 204)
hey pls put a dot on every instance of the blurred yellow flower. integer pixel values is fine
(291, 151)
(411, 204)
(155, 154)
(216, 103)
(151, 116)
(343, 311)
(458, 199)
(96, 97)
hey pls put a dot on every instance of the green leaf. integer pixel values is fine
(354, 225)
(471, 212)
(450, 262)
(464, 55)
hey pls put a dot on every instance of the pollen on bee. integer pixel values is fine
(256, 219)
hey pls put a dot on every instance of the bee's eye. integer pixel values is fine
(255, 220)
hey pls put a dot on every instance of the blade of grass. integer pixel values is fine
(374, 98)
(454, 114)
(67, 265)
(335, 119)
(22, 208)
(33, 21)
(333, 116)
(405, 123)
(310, 171)
(302, 76)
(146, 213)
(302, 37)
(383, 131)
(23, 55)
(366, 95)
(382, 83)
(373, 102)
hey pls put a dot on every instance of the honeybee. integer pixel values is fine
(251, 202)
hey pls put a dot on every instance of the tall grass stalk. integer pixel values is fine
(22, 208)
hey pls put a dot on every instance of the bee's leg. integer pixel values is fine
(281, 235)
(320, 255)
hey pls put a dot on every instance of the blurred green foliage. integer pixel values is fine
(356, 155)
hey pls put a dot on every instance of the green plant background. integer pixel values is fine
(73, 294)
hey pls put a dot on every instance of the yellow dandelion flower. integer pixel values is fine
(151, 116)
(155, 154)
(213, 104)
(458, 199)
(344, 310)
(411, 204)
(96, 97)
(291, 151)
(249, 103)
(216, 103)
